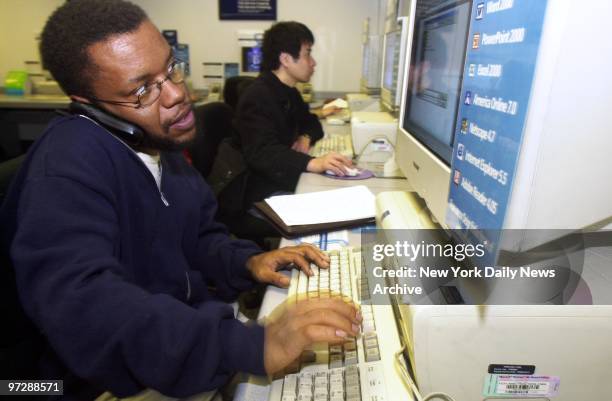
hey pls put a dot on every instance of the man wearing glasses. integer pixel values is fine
(112, 236)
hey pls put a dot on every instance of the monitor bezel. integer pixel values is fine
(440, 149)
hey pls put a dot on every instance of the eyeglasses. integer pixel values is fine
(148, 94)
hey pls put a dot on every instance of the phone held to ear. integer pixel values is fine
(124, 130)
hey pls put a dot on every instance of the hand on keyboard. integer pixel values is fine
(294, 326)
(264, 267)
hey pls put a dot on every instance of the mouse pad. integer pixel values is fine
(363, 174)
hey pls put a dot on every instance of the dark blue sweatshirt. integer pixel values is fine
(117, 273)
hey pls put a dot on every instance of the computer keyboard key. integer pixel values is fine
(350, 358)
(335, 361)
(290, 384)
(352, 371)
(349, 346)
(372, 355)
(351, 380)
(370, 343)
(367, 326)
(352, 390)
(335, 349)
(336, 384)
(321, 382)
(305, 388)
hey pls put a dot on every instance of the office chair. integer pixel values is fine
(20, 342)
(233, 89)
(8, 169)
(213, 125)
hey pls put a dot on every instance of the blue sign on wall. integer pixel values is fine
(503, 45)
(247, 10)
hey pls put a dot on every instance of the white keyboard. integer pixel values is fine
(361, 369)
(342, 144)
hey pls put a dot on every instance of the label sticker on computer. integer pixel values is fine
(499, 369)
(520, 386)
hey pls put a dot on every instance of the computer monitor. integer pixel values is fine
(370, 65)
(493, 99)
(394, 57)
(390, 59)
(251, 59)
(432, 86)
(517, 67)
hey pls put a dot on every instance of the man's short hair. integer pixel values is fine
(73, 28)
(284, 37)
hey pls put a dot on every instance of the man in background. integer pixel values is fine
(274, 125)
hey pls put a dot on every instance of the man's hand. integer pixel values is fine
(302, 144)
(291, 328)
(264, 267)
(328, 111)
(331, 161)
(325, 112)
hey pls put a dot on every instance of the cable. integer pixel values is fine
(443, 396)
(399, 364)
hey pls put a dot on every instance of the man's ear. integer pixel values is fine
(285, 59)
(76, 98)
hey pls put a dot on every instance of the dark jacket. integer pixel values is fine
(269, 118)
(116, 272)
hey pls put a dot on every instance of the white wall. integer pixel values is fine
(20, 22)
(336, 24)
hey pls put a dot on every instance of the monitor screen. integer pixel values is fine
(251, 59)
(392, 54)
(435, 75)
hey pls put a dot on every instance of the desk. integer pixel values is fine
(257, 389)
(24, 118)
(34, 102)
(310, 182)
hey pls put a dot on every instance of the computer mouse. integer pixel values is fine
(350, 172)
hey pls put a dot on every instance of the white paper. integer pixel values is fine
(336, 205)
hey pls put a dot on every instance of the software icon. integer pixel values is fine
(480, 11)
(468, 98)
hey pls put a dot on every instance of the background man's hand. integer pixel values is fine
(331, 161)
(302, 144)
(328, 111)
(264, 267)
(291, 328)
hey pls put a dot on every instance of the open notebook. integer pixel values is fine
(314, 212)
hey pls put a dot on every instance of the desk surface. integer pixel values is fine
(34, 101)
(257, 389)
(310, 182)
